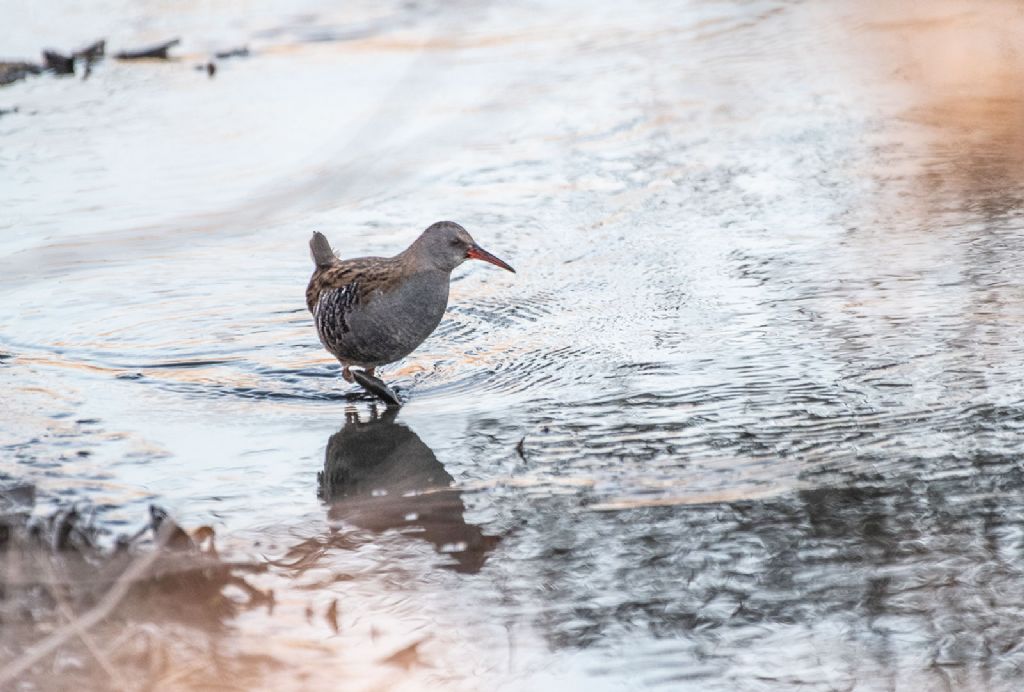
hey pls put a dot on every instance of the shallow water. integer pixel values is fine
(748, 417)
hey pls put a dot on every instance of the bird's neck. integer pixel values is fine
(412, 262)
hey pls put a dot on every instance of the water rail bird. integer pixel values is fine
(370, 311)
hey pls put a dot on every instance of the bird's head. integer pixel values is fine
(446, 245)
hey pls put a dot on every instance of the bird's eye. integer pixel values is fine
(456, 242)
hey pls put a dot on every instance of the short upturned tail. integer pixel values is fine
(321, 250)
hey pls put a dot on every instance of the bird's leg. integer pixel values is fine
(369, 371)
(347, 374)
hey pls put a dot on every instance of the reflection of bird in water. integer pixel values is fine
(380, 475)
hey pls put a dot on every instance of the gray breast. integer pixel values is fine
(381, 327)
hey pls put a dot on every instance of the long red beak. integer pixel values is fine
(477, 252)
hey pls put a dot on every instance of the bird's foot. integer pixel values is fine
(347, 374)
(376, 387)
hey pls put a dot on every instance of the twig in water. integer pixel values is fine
(158, 52)
(97, 614)
(69, 614)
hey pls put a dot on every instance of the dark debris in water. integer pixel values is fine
(13, 71)
(160, 51)
(210, 68)
(56, 62)
(241, 52)
(92, 52)
(61, 63)
(131, 615)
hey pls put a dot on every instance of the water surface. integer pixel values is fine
(748, 417)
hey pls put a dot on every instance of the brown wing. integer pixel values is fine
(367, 273)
